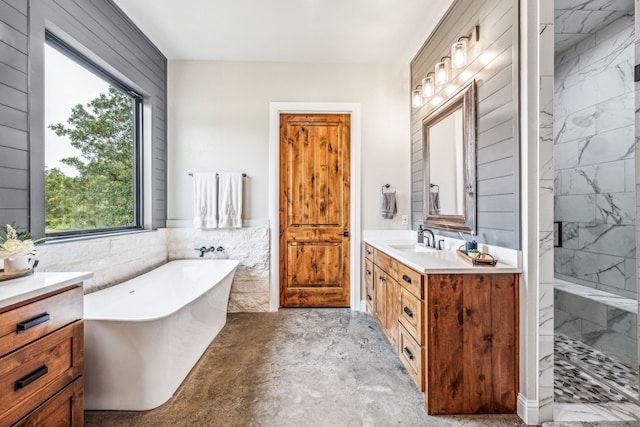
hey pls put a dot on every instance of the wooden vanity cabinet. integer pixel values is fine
(398, 309)
(42, 360)
(471, 325)
(457, 334)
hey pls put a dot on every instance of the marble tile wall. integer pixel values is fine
(594, 160)
(583, 316)
(545, 218)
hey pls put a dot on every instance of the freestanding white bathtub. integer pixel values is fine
(142, 337)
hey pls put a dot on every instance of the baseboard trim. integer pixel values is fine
(528, 410)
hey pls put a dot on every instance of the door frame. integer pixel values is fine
(275, 109)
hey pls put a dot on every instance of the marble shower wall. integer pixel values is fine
(594, 160)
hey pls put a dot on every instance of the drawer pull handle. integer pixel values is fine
(369, 296)
(408, 353)
(23, 326)
(408, 311)
(368, 252)
(406, 278)
(381, 279)
(28, 379)
(369, 272)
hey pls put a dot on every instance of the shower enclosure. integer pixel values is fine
(596, 290)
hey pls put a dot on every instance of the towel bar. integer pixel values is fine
(244, 175)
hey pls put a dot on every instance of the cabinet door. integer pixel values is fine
(410, 314)
(392, 308)
(380, 297)
(369, 289)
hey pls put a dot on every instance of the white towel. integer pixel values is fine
(205, 199)
(229, 200)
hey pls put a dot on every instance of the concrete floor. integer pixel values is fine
(297, 367)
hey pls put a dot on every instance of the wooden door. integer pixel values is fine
(314, 210)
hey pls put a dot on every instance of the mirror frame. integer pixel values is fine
(464, 98)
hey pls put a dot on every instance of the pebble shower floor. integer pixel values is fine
(586, 375)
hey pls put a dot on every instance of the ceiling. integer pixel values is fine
(576, 19)
(326, 31)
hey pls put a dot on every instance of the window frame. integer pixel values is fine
(60, 45)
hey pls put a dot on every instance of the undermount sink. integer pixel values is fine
(412, 248)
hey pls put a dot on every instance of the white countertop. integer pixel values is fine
(445, 261)
(23, 288)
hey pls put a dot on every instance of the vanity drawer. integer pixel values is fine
(411, 355)
(382, 260)
(411, 314)
(368, 252)
(368, 280)
(32, 374)
(64, 409)
(21, 325)
(407, 278)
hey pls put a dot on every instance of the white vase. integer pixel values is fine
(17, 264)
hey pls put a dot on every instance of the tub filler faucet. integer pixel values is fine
(203, 250)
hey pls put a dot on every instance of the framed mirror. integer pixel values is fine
(449, 147)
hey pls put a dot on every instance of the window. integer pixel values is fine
(92, 146)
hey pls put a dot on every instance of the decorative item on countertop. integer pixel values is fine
(477, 258)
(16, 249)
(471, 246)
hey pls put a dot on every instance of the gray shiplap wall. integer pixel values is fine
(14, 145)
(493, 62)
(100, 30)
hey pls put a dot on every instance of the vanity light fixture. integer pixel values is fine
(416, 97)
(459, 53)
(442, 71)
(459, 48)
(428, 86)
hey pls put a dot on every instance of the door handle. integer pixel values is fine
(345, 233)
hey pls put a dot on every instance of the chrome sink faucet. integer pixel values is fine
(431, 242)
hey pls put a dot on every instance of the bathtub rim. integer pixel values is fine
(88, 318)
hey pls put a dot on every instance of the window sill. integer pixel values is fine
(78, 238)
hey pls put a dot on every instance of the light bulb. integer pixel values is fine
(428, 88)
(442, 72)
(416, 98)
(459, 54)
